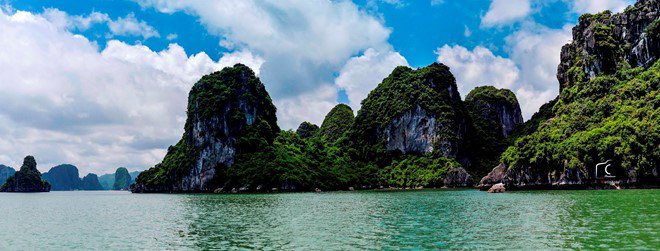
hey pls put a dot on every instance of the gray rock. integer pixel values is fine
(632, 42)
(497, 188)
(457, 177)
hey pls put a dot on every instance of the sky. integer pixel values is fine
(104, 84)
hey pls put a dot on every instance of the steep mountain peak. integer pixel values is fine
(605, 42)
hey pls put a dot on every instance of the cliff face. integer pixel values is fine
(606, 113)
(415, 111)
(495, 113)
(122, 179)
(604, 40)
(229, 113)
(493, 108)
(5, 173)
(412, 127)
(27, 179)
(63, 178)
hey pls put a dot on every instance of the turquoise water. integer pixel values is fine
(426, 219)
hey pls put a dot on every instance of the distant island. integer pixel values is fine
(63, 177)
(27, 179)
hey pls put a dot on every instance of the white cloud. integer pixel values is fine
(595, 6)
(536, 50)
(478, 67)
(64, 101)
(529, 71)
(304, 43)
(122, 26)
(172, 36)
(503, 12)
(467, 32)
(82, 23)
(129, 25)
(437, 2)
(316, 105)
(363, 73)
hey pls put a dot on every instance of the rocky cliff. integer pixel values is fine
(494, 110)
(27, 179)
(63, 178)
(606, 115)
(415, 111)
(122, 179)
(413, 126)
(494, 113)
(229, 114)
(5, 173)
(604, 41)
(90, 183)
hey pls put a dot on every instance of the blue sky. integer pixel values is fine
(102, 84)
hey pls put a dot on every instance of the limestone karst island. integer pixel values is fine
(330, 125)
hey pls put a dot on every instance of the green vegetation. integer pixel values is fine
(487, 142)
(27, 179)
(5, 173)
(122, 179)
(414, 171)
(654, 29)
(609, 117)
(295, 163)
(230, 105)
(337, 122)
(433, 88)
(492, 95)
(307, 130)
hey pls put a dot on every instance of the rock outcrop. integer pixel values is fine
(494, 177)
(336, 123)
(604, 40)
(229, 113)
(495, 114)
(90, 183)
(415, 111)
(497, 188)
(457, 177)
(606, 111)
(492, 109)
(5, 173)
(122, 179)
(63, 177)
(307, 130)
(27, 179)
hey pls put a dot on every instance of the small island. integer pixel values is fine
(27, 179)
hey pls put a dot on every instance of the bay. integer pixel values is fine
(420, 219)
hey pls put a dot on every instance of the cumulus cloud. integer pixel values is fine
(478, 67)
(536, 50)
(363, 73)
(122, 26)
(64, 101)
(503, 12)
(304, 43)
(129, 25)
(172, 36)
(529, 71)
(595, 6)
